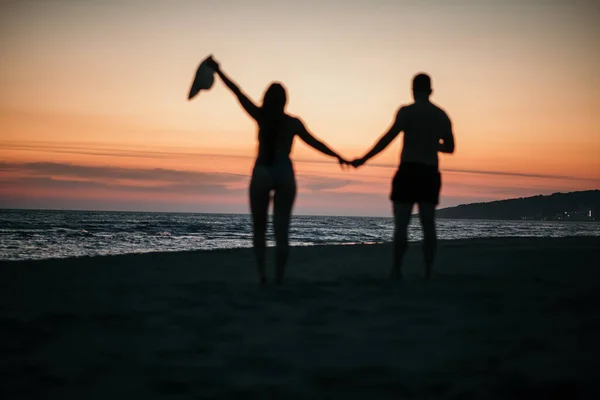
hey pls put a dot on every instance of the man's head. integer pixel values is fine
(421, 86)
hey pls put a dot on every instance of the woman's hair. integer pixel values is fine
(270, 120)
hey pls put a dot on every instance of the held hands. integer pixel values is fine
(343, 162)
(357, 162)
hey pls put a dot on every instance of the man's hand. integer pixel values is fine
(343, 162)
(357, 162)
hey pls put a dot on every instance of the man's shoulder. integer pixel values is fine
(404, 110)
(405, 107)
(440, 111)
(431, 109)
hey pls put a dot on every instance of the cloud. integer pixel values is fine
(66, 185)
(70, 177)
(129, 151)
(66, 177)
(519, 174)
(95, 149)
(501, 173)
(139, 174)
(317, 184)
(107, 149)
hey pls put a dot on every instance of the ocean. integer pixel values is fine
(33, 234)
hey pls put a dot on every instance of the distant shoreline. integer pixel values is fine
(582, 206)
(517, 220)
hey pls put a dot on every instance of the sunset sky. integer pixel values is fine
(94, 111)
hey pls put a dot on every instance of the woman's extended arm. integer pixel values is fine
(248, 105)
(317, 144)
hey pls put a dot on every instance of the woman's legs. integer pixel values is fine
(285, 194)
(260, 192)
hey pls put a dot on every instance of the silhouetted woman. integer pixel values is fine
(273, 169)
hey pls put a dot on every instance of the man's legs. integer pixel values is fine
(427, 216)
(402, 213)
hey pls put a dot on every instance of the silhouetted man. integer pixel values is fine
(427, 131)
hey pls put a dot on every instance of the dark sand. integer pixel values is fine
(503, 318)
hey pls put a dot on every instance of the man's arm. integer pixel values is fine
(446, 144)
(385, 140)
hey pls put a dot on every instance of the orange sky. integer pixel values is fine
(93, 109)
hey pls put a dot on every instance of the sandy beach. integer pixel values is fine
(502, 318)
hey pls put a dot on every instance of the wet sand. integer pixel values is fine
(502, 318)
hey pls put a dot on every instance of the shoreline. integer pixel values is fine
(500, 240)
(415, 215)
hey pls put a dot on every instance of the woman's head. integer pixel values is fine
(275, 98)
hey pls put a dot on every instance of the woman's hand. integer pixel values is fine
(210, 62)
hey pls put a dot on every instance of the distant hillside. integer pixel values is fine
(574, 206)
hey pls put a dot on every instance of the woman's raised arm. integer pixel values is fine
(248, 105)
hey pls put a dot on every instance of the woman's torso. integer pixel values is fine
(283, 141)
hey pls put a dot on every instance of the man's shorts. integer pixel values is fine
(416, 183)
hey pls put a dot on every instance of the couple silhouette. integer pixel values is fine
(427, 131)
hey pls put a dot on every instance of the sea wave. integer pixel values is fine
(58, 234)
